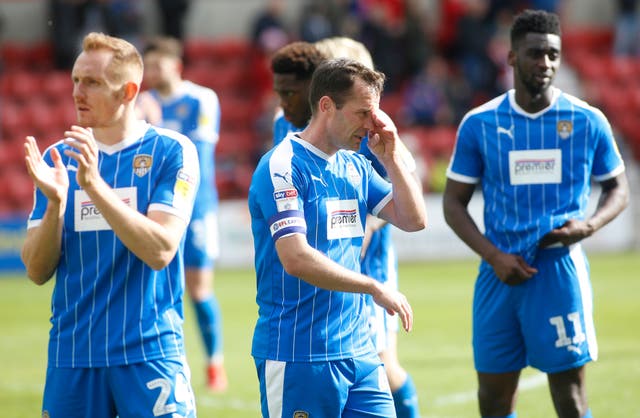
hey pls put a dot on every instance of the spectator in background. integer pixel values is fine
(534, 151)
(427, 99)
(112, 203)
(194, 111)
(382, 32)
(268, 34)
(66, 18)
(1, 40)
(552, 6)
(473, 36)
(172, 17)
(315, 21)
(70, 19)
(451, 11)
(627, 29)
(416, 37)
(268, 30)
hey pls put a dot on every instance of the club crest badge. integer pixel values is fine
(565, 129)
(142, 164)
(300, 414)
(354, 176)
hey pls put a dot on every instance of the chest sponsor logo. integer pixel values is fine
(535, 167)
(286, 199)
(343, 219)
(87, 216)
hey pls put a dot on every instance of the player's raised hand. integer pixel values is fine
(86, 154)
(383, 136)
(52, 181)
(395, 302)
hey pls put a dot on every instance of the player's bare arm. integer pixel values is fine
(301, 260)
(614, 198)
(510, 268)
(41, 249)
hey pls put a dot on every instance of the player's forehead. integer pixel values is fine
(92, 63)
(288, 82)
(363, 97)
(541, 41)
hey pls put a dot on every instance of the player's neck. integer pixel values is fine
(117, 131)
(315, 135)
(170, 88)
(533, 103)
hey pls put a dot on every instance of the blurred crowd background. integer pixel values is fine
(441, 57)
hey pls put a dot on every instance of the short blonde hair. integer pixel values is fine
(126, 64)
(343, 47)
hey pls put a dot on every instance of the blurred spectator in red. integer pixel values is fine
(450, 13)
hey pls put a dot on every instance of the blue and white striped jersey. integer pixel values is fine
(108, 307)
(194, 111)
(298, 189)
(375, 262)
(535, 169)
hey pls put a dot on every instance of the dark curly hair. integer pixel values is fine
(299, 58)
(536, 21)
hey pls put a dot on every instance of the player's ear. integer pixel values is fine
(130, 90)
(511, 58)
(325, 104)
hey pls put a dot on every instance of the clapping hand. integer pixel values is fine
(52, 181)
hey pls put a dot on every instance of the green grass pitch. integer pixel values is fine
(437, 353)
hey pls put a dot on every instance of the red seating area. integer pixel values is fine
(611, 82)
(36, 100)
(31, 103)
